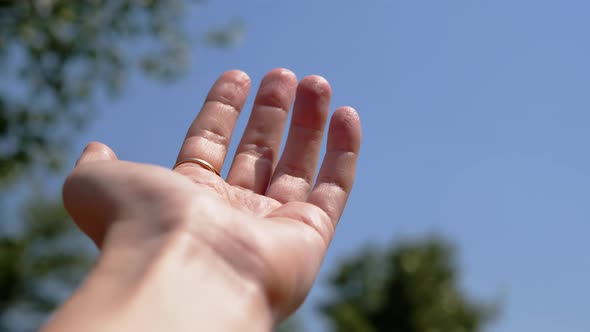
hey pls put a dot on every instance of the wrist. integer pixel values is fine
(172, 284)
(191, 286)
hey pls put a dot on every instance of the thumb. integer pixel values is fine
(96, 151)
(75, 192)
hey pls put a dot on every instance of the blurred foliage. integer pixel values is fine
(39, 264)
(57, 56)
(411, 287)
(228, 35)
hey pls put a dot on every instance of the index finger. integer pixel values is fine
(210, 133)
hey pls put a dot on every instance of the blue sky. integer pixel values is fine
(475, 117)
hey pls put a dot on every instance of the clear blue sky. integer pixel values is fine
(475, 117)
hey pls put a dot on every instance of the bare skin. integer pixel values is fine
(184, 249)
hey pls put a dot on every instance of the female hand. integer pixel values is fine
(268, 223)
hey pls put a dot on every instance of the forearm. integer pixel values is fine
(168, 285)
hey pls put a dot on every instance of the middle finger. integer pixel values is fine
(257, 153)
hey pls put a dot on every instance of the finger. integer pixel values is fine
(257, 152)
(209, 135)
(96, 151)
(296, 169)
(93, 152)
(338, 169)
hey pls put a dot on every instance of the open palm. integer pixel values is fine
(271, 218)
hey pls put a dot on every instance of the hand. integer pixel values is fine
(267, 222)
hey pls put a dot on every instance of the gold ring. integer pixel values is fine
(199, 162)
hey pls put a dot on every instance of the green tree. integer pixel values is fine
(58, 55)
(39, 264)
(410, 287)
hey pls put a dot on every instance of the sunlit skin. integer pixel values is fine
(185, 248)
